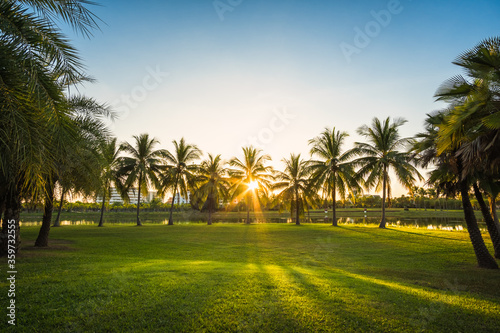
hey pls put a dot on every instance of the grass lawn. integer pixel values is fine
(252, 278)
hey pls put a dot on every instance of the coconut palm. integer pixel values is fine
(180, 172)
(333, 172)
(382, 153)
(141, 168)
(250, 176)
(109, 152)
(212, 183)
(294, 184)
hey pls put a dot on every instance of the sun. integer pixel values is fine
(253, 185)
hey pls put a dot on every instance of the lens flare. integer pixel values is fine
(253, 185)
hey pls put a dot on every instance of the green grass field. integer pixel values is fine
(252, 278)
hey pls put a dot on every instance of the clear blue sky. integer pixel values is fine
(275, 73)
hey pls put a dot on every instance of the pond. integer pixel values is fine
(435, 223)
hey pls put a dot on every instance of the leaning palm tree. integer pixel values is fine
(212, 183)
(333, 172)
(250, 176)
(142, 167)
(448, 177)
(380, 154)
(294, 184)
(179, 173)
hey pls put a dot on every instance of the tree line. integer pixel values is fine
(52, 137)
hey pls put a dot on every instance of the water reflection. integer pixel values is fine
(436, 223)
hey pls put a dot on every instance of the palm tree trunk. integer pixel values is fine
(210, 209)
(384, 185)
(101, 219)
(10, 222)
(483, 256)
(493, 209)
(248, 210)
(334, 208)
(490, 223)
(297, 208)
(171, 219)
(139, 201)
(43, 235)
(57, 221)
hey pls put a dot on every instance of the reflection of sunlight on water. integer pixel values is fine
(62, 223)
(449, 228)
(443, 224)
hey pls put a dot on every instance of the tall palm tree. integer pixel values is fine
(142, 167)
(109, 152)
(333, 172)
(37, 62)
(294, 184)
(212, 183)
(180, 172)
(449, 178)
(470, 131)
(250, 176)
(382, 153)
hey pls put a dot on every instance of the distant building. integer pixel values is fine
(179, 199)
(115, 197)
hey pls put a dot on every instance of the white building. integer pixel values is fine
(179, 199)
(132, 194)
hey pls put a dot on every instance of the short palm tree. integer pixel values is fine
(180, 171)
(332, 172)
(294, 184)
(142, 167)
(212, 183)
(76, 160)
(250, 176)
(380, 154)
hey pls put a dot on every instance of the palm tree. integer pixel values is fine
(380, 154)
(109, 152)
(142, 167)
(250, 176)
(75, 146)
(333, 172)
(449, 178)
(294, 184)
(470, 132)
(37, 64)
(179, 174)
(212, 183)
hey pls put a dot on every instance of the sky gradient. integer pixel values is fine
(224, 74)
